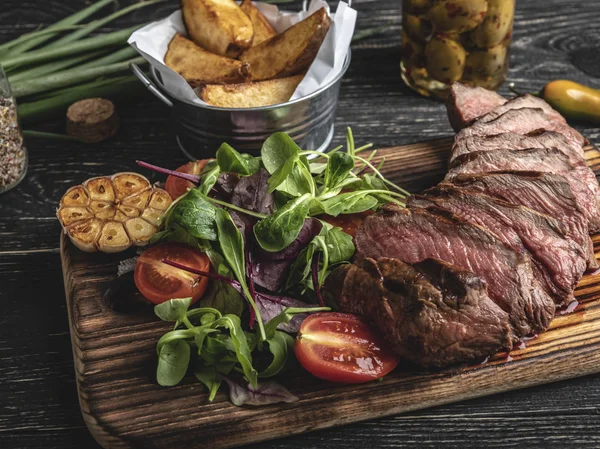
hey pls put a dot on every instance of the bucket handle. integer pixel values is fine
(305, 4)
(149, 84)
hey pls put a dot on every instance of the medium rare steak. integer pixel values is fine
(558, 262)
(465, 104)
(521, 121)
(512, 141)
(524, 101)
(543, 192)
(432, 313)
(549, 160)
(415, 235)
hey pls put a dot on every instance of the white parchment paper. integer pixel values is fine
(152, 42)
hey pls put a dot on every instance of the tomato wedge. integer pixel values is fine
(159, 282)
(176, 186)
(340, 347)
(348, 222)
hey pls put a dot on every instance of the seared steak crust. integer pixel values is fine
(465, 104)
(415, 235)
(432, 313)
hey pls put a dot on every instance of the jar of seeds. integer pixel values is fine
(13, 154)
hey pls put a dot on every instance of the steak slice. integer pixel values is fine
(543, 192)
(558, 263)
(434, 314)
(465, 104)
(548, 160)
(512, 141)
(521, 121)
(419, 234)
(524, 101)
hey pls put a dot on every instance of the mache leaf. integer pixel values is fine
(196, 215)
(230, 160)
(173, 309)
(173, 361)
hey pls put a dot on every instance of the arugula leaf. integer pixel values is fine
(173, 361)
(278, 149)
(268, 392)
(278, 230)
(349, 203)
(230, 160)
(232, 247)
(173, 309)
(196, 215)
(280, 346)
(240, 344)
(338, 169)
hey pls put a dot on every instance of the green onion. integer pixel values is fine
(53, 106)
(51, 67)
(98, 23)
(48, 136)
(25, 37)
(54, 29)
(117, 56)
(92, 43)
(69, 78)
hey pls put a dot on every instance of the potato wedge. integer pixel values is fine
(290, 52)
(251, 95)
(262, 28)
(219, 26)
(199, 66)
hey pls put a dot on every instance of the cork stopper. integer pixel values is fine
(92, 120)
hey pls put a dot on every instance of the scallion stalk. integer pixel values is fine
(69, 77)
(73, 48)
(51, 67)
(55, 29)
(116, 56)
(90, 27)
(27, 36)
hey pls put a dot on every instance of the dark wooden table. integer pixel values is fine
(38, 400)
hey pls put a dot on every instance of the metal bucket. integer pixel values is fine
(201, 129)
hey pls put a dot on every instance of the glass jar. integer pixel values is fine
(13, 154)
(444, 41)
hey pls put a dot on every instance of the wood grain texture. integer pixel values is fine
(38, 400)
(124, 407)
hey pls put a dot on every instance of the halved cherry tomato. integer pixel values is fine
(176, 186)
(159, 282)
(340, 347)
(348, 222)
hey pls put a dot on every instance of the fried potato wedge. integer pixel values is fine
(219, 26)
(251, 95)
(199, 66)
(262, 28)
(290, 52)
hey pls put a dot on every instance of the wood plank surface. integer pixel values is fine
(124, 407)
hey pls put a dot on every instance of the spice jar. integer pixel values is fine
(13, 154)
(444, 41)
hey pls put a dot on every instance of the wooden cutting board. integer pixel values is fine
(124, 407)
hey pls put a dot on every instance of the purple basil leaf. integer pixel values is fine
(224, 187)
(252, 193)
(267, 392)
(270, 306)
(243, 222)
(271, 274)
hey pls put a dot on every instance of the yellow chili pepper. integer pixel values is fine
(573, 100)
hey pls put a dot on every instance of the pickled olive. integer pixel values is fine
(413, 53)
(573, 100)
(458, 15)
(496, 24)
(417, 27)
(445, 59)
(485, 63)
(416, 6)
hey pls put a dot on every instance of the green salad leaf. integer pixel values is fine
(229, 160)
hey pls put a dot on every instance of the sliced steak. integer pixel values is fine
(524, 101)
(558, 262)
(543, 192)
(548, 160)
(465, 104)
(419, 234)
(433, 314)
(521, 121)
(512, 141)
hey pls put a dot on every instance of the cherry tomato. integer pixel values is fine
(159, 282)
(348, 222)
(340, 347)
(177, 186)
